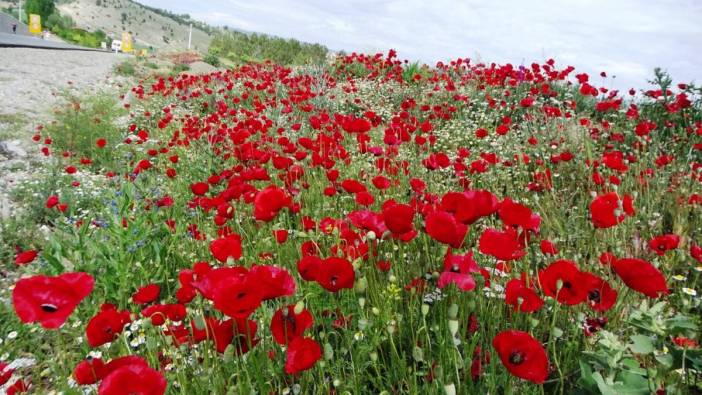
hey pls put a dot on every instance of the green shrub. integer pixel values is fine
(126, 69)
(80, 36)
(179, 68)
(44, 8)
(211, 59)
(81, 121)
(242, 47)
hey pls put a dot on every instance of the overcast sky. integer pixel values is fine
(626, 38)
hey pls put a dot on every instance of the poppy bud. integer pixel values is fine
(425, 309)
(453, 311)
(299, 306)
(453, 327)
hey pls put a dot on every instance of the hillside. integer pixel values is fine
(148, 27)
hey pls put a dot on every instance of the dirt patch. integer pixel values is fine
(30, 84)
(31, 78)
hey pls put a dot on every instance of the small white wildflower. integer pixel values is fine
(689, 291)
(12, 335)
(95, 354)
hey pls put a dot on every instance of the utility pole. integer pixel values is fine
(19, 11)
(190, 36)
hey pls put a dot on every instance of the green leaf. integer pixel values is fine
(633, 366)
(418, 354)
(54, 263)
(666, 360)
(556, 332)
(681, 322)
(632, 384)
(604, 388)
(586, 379)
(641, 344)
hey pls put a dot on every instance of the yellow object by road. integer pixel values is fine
(35, 23)
(126, 42)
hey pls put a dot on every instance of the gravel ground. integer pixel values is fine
(29, 77)
(30, 80)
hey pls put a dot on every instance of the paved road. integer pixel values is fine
(16, 40)
(6, 22)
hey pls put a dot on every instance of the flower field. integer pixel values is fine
(367, 227)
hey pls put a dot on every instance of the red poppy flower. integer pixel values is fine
(309, 267)
(106, 325)
(661, 244)
(474, 205)
(548, 248)
(18, 386)
(443, 227)
(696, 252)
(50, 300)
(562, 280)
(364, 198)
(269, 202)
(522, 297)
(368, 220)
(685, 342)
(457, 270)
(641, 276)
(238, 332)
(516, 214)
(600, 295)
(480, 359)
(226, 247)
(89, 371)
(133, 379)
(463, 281)
(593, 325)
(286, 325)
(335, 274)
(399, 218)
(52, 201)
(460, 263)
(607, 258)
(5, 373)
(238, 297)
(522, 355)
(206, 280)
(185, 294)
(614, 160)
(381, 182)
(281, 235)
(273, 281)
(25, 257)
(501, 245)
(302, 354)
(199, 188)
(146, 294)
(159, 312)
(608, 210)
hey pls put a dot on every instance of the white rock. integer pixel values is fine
(12, 149)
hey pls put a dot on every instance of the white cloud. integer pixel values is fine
(623, 37)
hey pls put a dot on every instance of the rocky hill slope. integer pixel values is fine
(149, 27)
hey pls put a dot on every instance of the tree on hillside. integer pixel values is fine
(44, 8)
